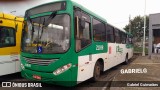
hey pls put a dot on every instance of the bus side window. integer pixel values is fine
(129, 40)
(117, 36)
(110, 34)
(7, 37)
(123, 37)
(99, 32)
(82, 35)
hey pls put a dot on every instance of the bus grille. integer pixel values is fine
(42, 62)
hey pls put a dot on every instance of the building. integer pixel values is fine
(154, 34)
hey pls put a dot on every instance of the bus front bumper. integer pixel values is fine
(64, 79)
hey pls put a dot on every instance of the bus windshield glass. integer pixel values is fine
(47, 35)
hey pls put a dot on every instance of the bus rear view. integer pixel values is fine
(10, 39)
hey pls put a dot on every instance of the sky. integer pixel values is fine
(116, 12)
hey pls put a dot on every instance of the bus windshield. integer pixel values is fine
(47, 35)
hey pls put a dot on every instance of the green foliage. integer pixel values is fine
(140, 49)
(137, 25)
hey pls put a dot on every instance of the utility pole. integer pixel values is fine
(129, 23)
(143, 52)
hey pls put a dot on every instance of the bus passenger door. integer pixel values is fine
(83, 45)
(112, 54)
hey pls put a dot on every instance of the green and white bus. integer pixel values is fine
(63, 43)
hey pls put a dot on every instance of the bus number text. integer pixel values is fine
(99, 47)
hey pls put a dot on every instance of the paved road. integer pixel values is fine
(102, 84)
(147, 76)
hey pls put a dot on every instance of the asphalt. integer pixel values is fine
(146, 76)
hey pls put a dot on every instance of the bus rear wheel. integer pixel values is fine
(126, 60)
(97, 72)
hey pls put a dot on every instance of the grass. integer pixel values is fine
(140, 49)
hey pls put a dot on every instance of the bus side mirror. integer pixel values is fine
(82, 24)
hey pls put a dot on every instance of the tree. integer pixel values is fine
(137, 27)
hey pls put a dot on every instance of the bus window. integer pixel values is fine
(117, 36)
(110, 34)
(129, 39)
(124, 36)
(7, 37)
(99, 30)
(83, 35)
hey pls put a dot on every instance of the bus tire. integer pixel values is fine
(97, 71)
(126, 60)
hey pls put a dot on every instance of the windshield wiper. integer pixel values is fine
(38, 31)
(28, 18)
(42, 28)
(32, 31)
(45, 24)
(50, 18)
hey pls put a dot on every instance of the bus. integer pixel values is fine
(65, 44)
(10, 41)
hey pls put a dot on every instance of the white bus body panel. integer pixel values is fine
(86, 63)
(9, 64)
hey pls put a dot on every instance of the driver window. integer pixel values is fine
(83, 35)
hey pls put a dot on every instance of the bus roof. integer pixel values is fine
(11, 17)
(83, 8)
(75, 4)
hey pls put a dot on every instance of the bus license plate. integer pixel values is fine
(37, 77)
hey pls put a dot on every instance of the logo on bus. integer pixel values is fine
(39, 49)
(118, 49)
(99, 47)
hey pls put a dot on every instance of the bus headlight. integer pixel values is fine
(22, 66)
(62, 69)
